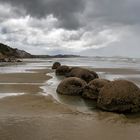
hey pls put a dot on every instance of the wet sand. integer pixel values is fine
(33, 116)
(20, 88)
(38, 77)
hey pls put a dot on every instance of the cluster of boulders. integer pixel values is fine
(115, 96)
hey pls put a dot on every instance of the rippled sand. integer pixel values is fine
(36, 116)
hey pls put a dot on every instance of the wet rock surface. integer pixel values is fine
(62, 70)
(90, 92)
(56, 65)
(82, 73)
(99, 83)
(71, 86)
(119, 96)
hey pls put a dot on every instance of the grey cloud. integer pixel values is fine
(72, 14)
(114, 11)
(65, 10)
(5, 30)
(7, 12)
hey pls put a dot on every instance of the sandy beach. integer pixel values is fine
(36, 116)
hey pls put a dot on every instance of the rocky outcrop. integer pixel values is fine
(56, 65)
(82, 73)
(62, 70)
(71, 86)
(119, 96)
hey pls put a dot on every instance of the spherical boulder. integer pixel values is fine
(99, 83)
(90, 92)
(93, 88)
(62, 70)
(82, 73)
(56, 65)
(119, 96)
(71, 86)
(94, 73)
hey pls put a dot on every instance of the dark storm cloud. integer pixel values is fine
(73, 13)
(65, 10)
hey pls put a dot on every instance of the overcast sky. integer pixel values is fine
(85, 27)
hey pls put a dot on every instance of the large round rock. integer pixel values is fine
(90, 92)
(56, 65)
(62, 70)
(99, 83)
(82, 73)
(119, 96)
(93, 88)
(71, 86)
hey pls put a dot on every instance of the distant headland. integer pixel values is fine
(9, 54)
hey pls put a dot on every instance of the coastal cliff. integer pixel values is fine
(8, 52)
